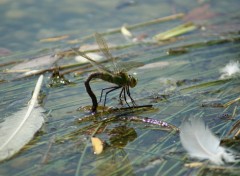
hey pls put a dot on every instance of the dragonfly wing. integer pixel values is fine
(103, 47)
(126, 66)
(100, 67)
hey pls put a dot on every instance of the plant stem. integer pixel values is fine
(138, 25)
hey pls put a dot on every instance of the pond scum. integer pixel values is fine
(132, 139)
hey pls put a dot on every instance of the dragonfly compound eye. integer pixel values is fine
(132, 81)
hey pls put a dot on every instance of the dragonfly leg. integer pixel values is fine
(103, 91)
(124, 95)
(113, 88)
(128, 93)
(120, 96)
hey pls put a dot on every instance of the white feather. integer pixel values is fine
(201, 143)
(18, 129)
(231, 69)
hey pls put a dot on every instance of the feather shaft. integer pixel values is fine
(201, 143)
(19, 128)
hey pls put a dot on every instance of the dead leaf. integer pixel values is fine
(97, 145)
(54, 39)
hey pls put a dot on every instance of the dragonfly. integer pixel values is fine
(118, 76)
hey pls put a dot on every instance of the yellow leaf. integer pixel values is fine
(97, 145)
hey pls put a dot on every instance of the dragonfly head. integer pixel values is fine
(132, 81)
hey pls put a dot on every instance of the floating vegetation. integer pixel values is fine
(235, 130)
(231, 102)
(184, 68)
(179, 30)
(206, 84)
(120, 136)
(186, 81)
(150, 121)
(102, 124)
(214, 103)
(58, 80)
(209, 43)
(177, 51)
(54, 39)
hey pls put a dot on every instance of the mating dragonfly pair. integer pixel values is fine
(118, 76)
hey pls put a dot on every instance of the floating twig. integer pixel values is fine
(181, 29)
(208, 43)
(231, 102)
(235, 128)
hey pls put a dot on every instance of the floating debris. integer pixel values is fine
(126, 32)
(179, 30)
(231, 69)
(235, 130)
(18, 129)
(151, 121)
(121, 135)
(202, 144)
(58, 80)
(214, 103)
(97, 145)
(54, 39)
(177, 51)
(231, 102)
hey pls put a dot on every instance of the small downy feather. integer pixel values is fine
(201, 143)
(19, 128)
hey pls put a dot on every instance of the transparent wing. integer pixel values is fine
(103, 47)
(126, 66)
(100, 67)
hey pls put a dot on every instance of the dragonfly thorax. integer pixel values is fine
(123, 79)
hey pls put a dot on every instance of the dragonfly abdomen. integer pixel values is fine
(104, 76)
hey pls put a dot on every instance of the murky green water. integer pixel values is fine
(63, 145)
